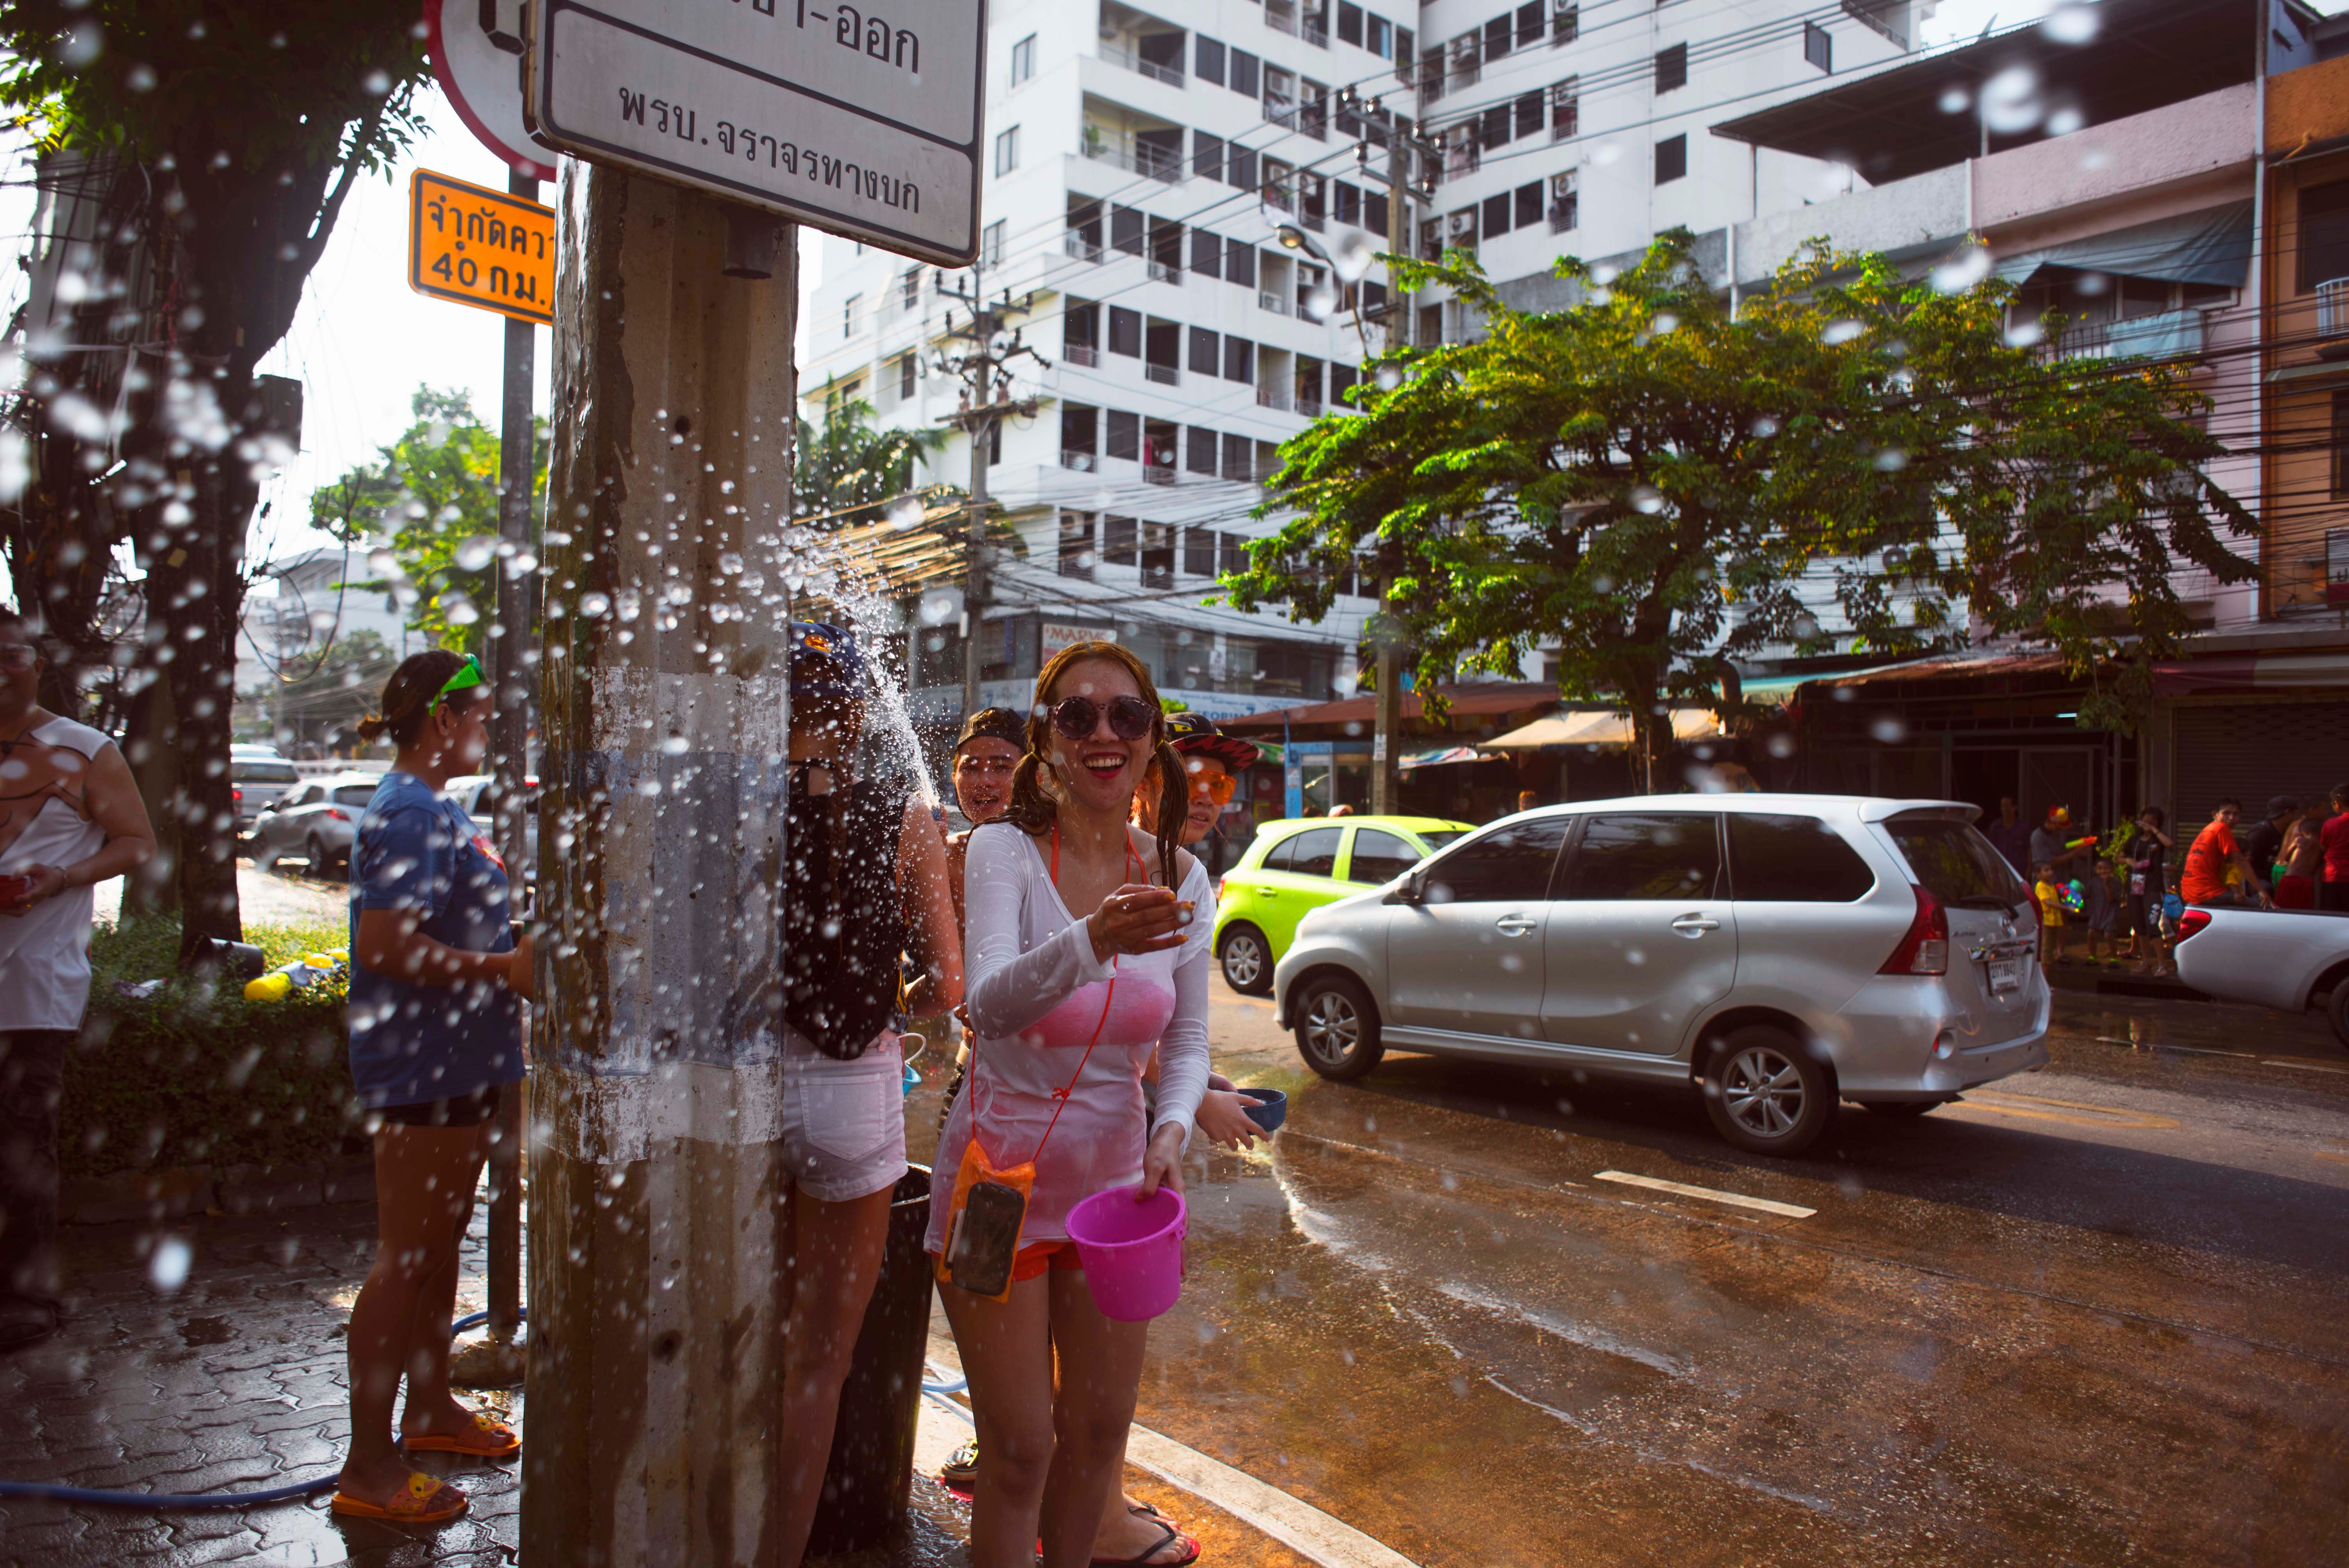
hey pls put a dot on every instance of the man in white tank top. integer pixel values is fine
(70, 818)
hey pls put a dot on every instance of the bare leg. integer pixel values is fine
(832, 1258)
(1101, 1369)
(1124, 1535)
(430, 1408)
(424, 1175)
(1006, 1353)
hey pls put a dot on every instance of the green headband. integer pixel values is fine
(469, 673)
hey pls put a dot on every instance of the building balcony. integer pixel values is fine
(1272, 397)
(1080, 248)
(1271, 302)
(1148, 163)
(1083, 353)
(1172, 76)
(1158, 473)
(1165, 374)
(2333, 316)
(2172, 334)
(1165, 272)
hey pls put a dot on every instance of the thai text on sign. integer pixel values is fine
(481, 247)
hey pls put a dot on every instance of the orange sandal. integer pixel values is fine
(423, 1502)
(491, 1439)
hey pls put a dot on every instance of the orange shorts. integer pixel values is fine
(1033, 1260)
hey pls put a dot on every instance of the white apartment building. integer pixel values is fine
(1140, 165)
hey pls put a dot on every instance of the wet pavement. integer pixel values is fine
(2091, 1314)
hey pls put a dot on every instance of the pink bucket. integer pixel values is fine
(1132, 1250)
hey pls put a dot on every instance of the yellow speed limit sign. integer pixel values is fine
(481, 247)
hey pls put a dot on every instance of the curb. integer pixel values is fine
(184, 1191)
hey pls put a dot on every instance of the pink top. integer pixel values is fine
(1037, 996)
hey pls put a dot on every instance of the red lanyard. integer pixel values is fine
(1061, 1095)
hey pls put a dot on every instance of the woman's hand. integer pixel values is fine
(41, 882)
(1137, 919)
(1224, 1118)
(1161, 1162)
(521, 974)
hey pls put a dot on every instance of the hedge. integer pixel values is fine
(196, 1075)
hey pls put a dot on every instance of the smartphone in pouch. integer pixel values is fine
(985, 1239)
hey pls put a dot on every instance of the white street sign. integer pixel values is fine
(477, 56)
(864, 125)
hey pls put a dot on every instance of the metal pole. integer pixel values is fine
(656, 1236)
(1386, 743)
(981, 427)
(516, 654)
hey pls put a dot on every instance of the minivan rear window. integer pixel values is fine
(1956, 864)
(1791, 859)
(354, 794)
(263, 773)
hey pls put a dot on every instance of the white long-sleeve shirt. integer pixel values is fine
(1037, 997)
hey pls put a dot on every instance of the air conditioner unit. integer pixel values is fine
(1562, 185)
(1461, 223)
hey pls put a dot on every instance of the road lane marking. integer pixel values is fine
(1297, 1524)
(1739, 1199)
(2306, 1067)
(2099, 1115)
(2158, 1046)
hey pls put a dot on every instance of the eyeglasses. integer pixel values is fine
(1130, 717)
(469, 675)
(1215, 786)
(18, 655)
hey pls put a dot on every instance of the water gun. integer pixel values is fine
(2075, 896)
(2088, 842)
(310, 969)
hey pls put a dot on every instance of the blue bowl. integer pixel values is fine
(1271, 1113)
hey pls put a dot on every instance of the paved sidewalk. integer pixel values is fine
(234, 1382)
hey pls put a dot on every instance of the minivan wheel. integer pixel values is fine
(315, 849)
(1336, 1027)
(1764, 1094)
(1248, 960)
(2336, 1011)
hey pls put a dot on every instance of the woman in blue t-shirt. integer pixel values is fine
(437, 985)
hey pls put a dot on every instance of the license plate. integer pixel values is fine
(2006, 975)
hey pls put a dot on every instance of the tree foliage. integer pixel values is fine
(429, 504)
(247, 127)
(1857, 462)
(848, 464)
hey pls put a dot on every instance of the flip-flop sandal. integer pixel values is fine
(1145, 1558)
(960, 1474)
(1149, 1511)
(490, 1440)
(422, 1502)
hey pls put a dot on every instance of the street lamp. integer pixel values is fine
(1293, 238)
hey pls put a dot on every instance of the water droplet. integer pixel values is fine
(167, 1269)
(1962, 271)
(2072, 24)
(1837, 332)
(2010, 104)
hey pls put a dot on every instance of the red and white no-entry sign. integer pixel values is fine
(477, 53)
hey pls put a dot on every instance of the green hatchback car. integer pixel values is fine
(1302, 864)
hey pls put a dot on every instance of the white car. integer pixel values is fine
(2287, 959)
(258, 778)
(1775, 953)
(472, 792)
(316, 819)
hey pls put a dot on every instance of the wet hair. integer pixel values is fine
(1035, 806)
(408, 695)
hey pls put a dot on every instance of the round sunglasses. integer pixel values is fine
(1130, 717)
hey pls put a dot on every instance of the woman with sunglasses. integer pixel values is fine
(437, 986)
(1080, 957)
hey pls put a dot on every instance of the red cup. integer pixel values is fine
(13, 888)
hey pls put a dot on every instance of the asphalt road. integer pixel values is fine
(2091, 1316)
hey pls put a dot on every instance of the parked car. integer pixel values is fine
(317, 819)
(258, 778)
(2288, 959)
(471, 790)
(1774, 953)
(1300, 864)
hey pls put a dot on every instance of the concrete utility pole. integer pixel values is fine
(1386, 743)
(515, 655)
(985, 371)
(654, 1335)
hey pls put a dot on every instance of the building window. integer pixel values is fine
(1126, 331)
(1204, 355)
(1125, 437)
(1023, 59)
(1239, 360)
(850, 308)
(1565, 22)
(1199, 543)
(1497, 34)
(1077, 549)
(1565, 201)
(2323, 234)
(1495, 216)
(1207, 58)
(1240, 166)
(904, 378)
(1493, 127)
(1528, 204)
(1530, 112)
(1199, 450)
(1118, 535)
(2341, 446)
(1079, 437)
(1157, 557)
(1242, 78)
(1380, 39)
(1125, 229)
(1530, 24)
(990, 244)
(1565, 109)
(1239, 265)
(1818, 46)
(1239, 464)
(1349, 23)
(1231, 549)
(1007, 150)
(1671, 67)
(1672, 159)
(1207, 155)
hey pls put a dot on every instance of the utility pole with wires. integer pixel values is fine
(984, 370)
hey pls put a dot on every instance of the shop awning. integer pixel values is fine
(2266, 672)
(1439, 758)
(1598, 727)
(2212, 246)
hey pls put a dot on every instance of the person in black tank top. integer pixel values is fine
(864, 886)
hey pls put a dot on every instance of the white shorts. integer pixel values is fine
(844, 1123)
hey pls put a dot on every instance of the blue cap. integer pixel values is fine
(825, 662)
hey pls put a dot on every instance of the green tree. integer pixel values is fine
(1654, 489)
(431, 503)
(847, 463)
(248, 125)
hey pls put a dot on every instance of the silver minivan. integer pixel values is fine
(1776, 952)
